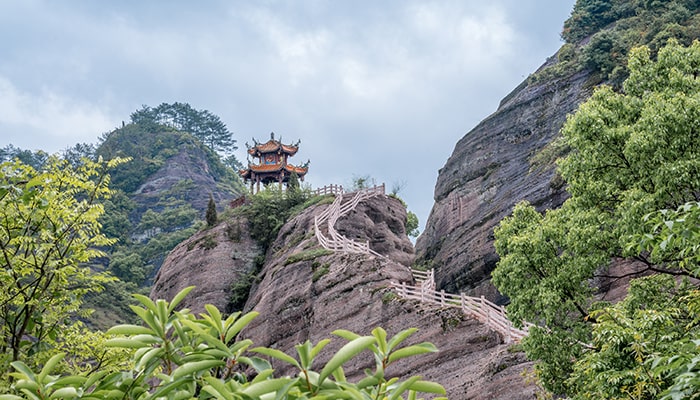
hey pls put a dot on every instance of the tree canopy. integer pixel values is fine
(633, 174)
(202, 124)
(50, 231)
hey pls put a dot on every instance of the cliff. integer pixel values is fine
(213, 261)
(304, 293)
(490, 170)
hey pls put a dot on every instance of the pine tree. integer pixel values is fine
(211, 216)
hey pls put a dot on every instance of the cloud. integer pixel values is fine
(382, 88)
(50, 116)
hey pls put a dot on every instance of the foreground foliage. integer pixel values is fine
(176, 355)
(50, 231)
(633, 175)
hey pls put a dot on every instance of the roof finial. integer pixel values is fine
(272, 135)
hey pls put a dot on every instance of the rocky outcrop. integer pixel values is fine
(213, 261)
(305, 293)
(489, 171)
(190, 169)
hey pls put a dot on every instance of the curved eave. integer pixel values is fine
(272, 146)
(301, 171)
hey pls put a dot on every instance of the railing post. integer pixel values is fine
(488, 311)
(442, 298)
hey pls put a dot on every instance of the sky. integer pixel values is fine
(383, 89)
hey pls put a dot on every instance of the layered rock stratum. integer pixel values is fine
(304, 293)
(490, 170)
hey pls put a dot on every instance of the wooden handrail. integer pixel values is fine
(335, 241)
(483, 310)
(492, 315)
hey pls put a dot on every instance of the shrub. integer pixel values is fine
(307, 255)
(177, 355)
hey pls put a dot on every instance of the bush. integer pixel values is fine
(307, 255)
(177, 355)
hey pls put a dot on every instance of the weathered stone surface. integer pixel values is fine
(188, 165)
(211, 260)
(309, 299)
(382, 222)
(488, 172)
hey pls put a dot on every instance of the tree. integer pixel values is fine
(211, 216)
(36, 159)
(202, 124)
(633, 154)
(78, 152)
(50, 231)
(412, 224)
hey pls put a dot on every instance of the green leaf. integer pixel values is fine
(367, 381)
(427, 387)
(211, 340)
(148, 356)
(348, 351)
(240, 323)
(65, 393)
(127, 329)
(400, 337)
(147, 316)
(217, 388)
(274, 353)
(319, 346)
(259, 364)
(49, 366)
(71, 380)
(125, 343)
(258, 389)
(195, 367)
(403, 386)
(345, 334)
(24, 369)
(414, 350)
(147, 302)
(380, 334)
(178, 298)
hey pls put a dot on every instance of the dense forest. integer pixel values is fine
(147, 228)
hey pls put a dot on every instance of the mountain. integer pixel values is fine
(491, 168)
(510, 156)
(305, 292)
(165, 188)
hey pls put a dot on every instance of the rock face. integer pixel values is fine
(212, 260)
(489, 171)
(189, 166)
(305, 294)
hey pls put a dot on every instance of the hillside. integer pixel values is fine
(304, 292)
(160, 198)
(509, 157)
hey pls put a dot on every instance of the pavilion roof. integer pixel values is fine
(262, 168)
(273, 146)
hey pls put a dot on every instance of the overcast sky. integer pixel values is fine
(379, 88)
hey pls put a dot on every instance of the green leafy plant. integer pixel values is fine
(50, 231)
(177, 355)
(632, 175)
(307, 255)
